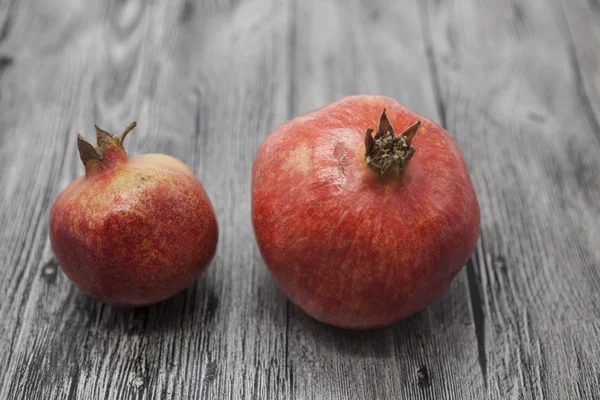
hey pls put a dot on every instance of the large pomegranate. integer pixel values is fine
(361, 229)
(132, 231)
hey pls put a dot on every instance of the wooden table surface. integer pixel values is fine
(517, 84)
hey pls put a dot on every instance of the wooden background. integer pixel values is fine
(516, 82)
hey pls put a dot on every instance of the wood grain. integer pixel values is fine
(583, 39)
(511, 97)
(516, 82)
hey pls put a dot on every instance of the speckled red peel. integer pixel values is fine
(133, 231)
(362, 230)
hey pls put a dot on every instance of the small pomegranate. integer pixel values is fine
(361, 229)
(132, 231)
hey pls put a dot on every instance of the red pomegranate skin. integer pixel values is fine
(349, 247)
(133, 231)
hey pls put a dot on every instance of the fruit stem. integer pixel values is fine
(385, 151)
(108, 152)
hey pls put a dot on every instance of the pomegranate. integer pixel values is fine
(132, 231)
(358, 229)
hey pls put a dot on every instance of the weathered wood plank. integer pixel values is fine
(35, 114)
(204, 80)
(583, 24)
(350, 47)
(510, 93)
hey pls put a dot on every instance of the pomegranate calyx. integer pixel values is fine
(385, 150)
(108, 151)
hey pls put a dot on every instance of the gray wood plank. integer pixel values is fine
(511, 97)
(377, 47)
(583, 24)
(583, 30)
(205, 82)
(35, 115)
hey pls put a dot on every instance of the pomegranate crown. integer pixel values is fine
(109, 150)
(385, 151)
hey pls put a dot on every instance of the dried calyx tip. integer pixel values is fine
(87, 152)
(91, 155)
(385, 151)
(129, 128)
